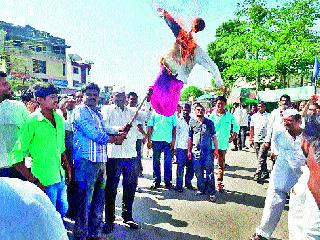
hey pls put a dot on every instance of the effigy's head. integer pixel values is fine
(198, 25)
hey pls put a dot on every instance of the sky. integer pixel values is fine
(124, 38)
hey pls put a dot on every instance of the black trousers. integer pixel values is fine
(129, 170)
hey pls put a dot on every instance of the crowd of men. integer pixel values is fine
(75, 151)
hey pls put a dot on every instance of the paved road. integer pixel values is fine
(169, 215)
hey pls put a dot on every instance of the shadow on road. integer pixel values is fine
(233, 175)
(187, 195)
(240, 168)
(241, 198)
(148, 232)
(154, 213)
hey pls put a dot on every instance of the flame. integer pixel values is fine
(186, 44)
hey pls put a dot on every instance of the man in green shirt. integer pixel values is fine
(161, 138)
(43, 137)
(223, 120)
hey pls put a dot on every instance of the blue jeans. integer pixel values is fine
(91, 184)
(201, 163)
(158, 147)
(128, 168)
(58, 196)
(182, 160)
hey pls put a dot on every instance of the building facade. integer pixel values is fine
(30, 53)
(78, 71)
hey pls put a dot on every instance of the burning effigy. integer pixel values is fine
(177, 64)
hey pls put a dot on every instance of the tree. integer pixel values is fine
(18, 86)
(191, 91)
(267, 42)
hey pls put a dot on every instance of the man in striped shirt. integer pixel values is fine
(89, 153)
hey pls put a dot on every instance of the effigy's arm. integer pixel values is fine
(204, 60)
(171, 22)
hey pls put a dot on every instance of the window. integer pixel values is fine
(75, 70)
(64, 69)
(56, 49)
(39, 66)
(76, 83)
(88, 71)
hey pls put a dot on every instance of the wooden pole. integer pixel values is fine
(140, 106)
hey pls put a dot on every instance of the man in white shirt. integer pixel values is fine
(258, 132)
(121, 159)
(27, 213)
(241, 115)
(144, 116)
(13, 115)
(275, 122)
(182, 137)
(304, 208)
(285, 173)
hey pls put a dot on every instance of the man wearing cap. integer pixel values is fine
(43, 137)
(285, 173)
(121, 159)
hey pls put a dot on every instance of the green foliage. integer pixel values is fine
(268, 42)
(191, 91)
(18, 85)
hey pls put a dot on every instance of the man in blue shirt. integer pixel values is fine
(201, 135)
(89, 153)
(161, 138)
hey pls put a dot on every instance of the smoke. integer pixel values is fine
(184, 10)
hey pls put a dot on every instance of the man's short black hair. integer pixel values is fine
(221, 98)
(91, 86)
(3, 74)
(200, 24)
(297, 117)
(187, 106)
(133, 94)
(199, 105)
(286, 96)
(196, 104)
(27, 95)
(44, 89)
(262, 102)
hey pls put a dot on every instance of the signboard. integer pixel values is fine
(296, 94)
(238, 94)
(61, 83)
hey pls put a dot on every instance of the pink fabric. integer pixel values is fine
(166, 93)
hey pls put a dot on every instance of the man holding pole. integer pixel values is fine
(121, 159)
